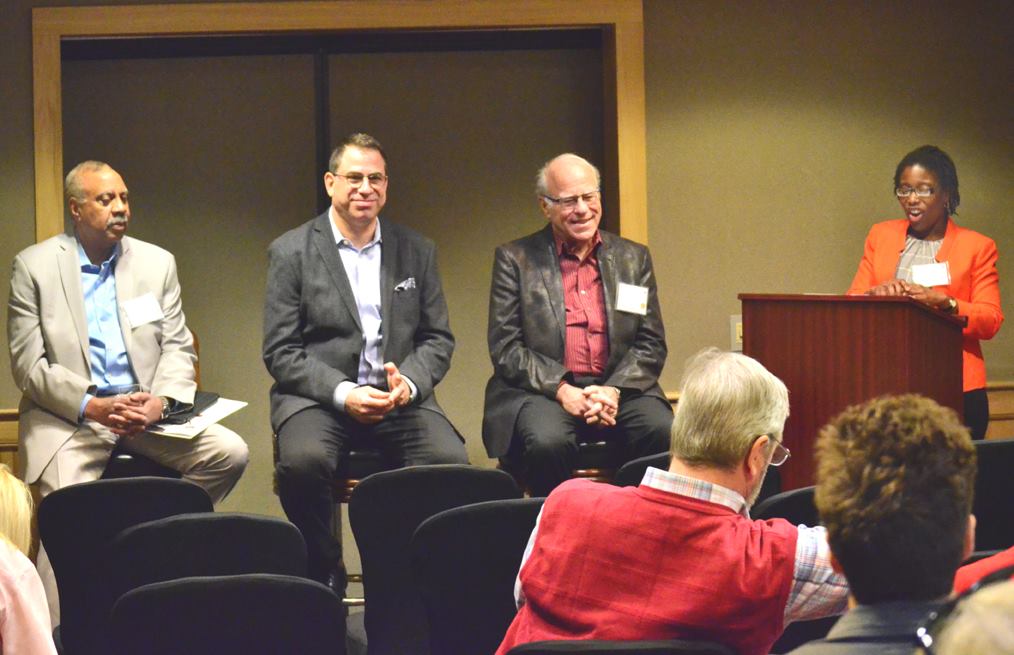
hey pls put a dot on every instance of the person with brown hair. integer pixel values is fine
(24, 615)
(895, 479)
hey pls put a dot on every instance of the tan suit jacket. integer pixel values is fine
(47, 332)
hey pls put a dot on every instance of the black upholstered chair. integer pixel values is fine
(385, 510)
(77, 524)
(255, 614)
(994, 488)
(465, 562)
(630, 474)
(655, 647)
(202, 544)
(795, 506)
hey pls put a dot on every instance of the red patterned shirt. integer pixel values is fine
(586, 346)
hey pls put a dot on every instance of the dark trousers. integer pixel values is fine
(977, 412)
(312, 443)
(547, 436)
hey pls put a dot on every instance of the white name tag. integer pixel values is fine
(937, 274)
(632, 298)
(142, 310)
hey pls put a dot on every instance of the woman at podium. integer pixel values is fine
(929, 257)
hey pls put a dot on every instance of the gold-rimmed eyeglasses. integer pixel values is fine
(780, 454)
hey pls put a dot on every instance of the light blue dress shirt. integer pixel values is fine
(362, 267)
(110, 366)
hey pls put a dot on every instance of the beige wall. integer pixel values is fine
(214, 181)
(773, 131)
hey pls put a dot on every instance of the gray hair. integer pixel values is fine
(727, 401)
(72, 183)
(542, 177)
(357, 140)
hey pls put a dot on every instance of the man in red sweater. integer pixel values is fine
(678, 557)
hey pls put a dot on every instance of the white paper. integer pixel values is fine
(222, 408)
(143, 310)
(632, 298)
(936, 274)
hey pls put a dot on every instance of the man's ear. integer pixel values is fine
(836, 565)
(757, 459)
(969, 537)
(75, 209)
(544, 206)
(329, 179)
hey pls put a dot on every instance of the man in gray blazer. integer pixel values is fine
(356, 338)
(575, 335)
(92, 317)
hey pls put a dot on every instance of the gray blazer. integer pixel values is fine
(47, 332)
(312, 334)
(527, 328)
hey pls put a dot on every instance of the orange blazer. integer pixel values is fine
(971, 258)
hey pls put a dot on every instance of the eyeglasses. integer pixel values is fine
(570, 202)
(780, 454)
(356, 179)
(906, 191)
(930, 628)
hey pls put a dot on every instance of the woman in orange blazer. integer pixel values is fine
(929, 257)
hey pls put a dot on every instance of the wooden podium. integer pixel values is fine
(836, 351)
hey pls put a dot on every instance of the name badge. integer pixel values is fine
(142, 310)
(632, 299)
(937, 274)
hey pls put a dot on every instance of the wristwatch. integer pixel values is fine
(165, 407)
(952, 306)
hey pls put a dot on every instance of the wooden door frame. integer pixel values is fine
(621, 23)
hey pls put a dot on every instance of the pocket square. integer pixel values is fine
(406, 284)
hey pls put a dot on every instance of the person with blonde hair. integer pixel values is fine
(24, 615)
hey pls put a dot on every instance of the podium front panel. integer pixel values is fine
(836, 351)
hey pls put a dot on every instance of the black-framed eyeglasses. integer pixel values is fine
(929, 629)
(906, 191)
(356, 179)
(570, 202)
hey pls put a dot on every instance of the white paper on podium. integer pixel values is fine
(222, 408)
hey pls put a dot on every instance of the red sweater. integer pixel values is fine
(639, 563)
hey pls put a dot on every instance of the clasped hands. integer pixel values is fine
(368, 404)
(926, 295)
(125, 414)
(596, 404)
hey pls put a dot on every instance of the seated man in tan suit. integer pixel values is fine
(100, 349)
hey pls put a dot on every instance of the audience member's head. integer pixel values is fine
(730, 408)
(895, 478)
(983, 622)
(15, 510)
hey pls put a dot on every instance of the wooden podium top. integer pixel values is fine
(833, 298)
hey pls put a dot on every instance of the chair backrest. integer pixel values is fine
(76, 525)
(202, 544)
(796, 506)
(465, 562)
(656, 647)
(250, 614)
(994, 488)
(630, 474)
(384, 511)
